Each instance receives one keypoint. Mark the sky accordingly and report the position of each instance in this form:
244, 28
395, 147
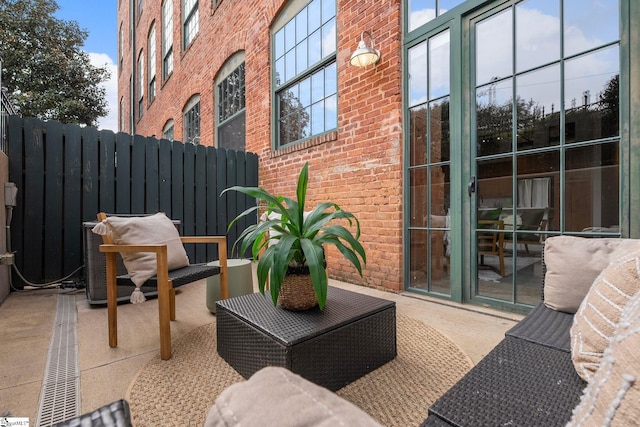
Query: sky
100, 19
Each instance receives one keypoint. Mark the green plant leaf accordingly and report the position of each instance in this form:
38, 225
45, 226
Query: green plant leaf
315, 260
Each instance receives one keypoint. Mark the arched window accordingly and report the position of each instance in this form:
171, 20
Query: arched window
191, 121
230, 105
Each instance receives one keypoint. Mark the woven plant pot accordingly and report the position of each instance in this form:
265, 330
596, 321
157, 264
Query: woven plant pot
296, 291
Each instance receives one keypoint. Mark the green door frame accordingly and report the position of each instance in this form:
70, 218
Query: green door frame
462, 253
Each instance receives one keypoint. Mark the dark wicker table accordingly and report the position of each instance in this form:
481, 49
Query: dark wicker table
354, 335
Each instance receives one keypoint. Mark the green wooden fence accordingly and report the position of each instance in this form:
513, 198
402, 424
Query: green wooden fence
65, 174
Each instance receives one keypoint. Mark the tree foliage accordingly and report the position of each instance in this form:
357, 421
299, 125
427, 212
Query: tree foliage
43, 67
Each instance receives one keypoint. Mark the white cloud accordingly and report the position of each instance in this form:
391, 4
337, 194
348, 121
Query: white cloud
110, 122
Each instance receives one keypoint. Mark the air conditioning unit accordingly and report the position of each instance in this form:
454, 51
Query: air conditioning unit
95, 264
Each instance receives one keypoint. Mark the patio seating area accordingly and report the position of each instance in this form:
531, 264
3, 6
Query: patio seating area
105, 374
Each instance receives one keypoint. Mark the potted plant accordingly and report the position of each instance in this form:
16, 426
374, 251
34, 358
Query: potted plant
293, 239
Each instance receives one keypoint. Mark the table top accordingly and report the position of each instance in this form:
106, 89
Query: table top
290, 327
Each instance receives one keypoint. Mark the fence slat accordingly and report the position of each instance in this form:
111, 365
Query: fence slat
212, 203
138, 157
72, 198
106, 185
188, 195
33, 195
90, 169
164, 170
53, 223
151, 173
122, 172
177, 181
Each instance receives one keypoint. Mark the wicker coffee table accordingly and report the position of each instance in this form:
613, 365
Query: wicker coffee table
354, 335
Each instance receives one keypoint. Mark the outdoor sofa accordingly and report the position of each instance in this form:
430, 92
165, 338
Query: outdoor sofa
529, 378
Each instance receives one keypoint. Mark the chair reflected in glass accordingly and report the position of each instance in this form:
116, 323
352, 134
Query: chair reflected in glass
491, 242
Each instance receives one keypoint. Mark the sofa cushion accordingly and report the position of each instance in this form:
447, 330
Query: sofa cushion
145, 230
276, 396
597, 318
573, 263
612, 395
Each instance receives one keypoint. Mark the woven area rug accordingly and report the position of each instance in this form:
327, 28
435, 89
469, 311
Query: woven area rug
181, 390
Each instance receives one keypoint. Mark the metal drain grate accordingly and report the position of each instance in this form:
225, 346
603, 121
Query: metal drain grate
60, 395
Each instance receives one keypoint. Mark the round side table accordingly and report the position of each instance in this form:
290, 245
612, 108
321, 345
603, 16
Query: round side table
240, 281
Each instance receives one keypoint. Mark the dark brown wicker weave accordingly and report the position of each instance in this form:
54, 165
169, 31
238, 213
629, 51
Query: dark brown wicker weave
526, 380
351, 337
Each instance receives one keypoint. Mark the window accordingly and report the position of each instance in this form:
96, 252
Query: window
120, 49
231, 107
305, 76
140, 84
151, 48
191, 120
121, 114
190, 21
167, 39
167, 130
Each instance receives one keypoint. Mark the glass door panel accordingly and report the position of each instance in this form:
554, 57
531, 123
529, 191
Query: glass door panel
430, 164
546, 131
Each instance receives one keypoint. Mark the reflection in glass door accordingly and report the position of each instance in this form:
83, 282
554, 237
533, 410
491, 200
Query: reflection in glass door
546, 130
429, 169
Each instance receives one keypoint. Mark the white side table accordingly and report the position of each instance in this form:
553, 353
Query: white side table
240, 281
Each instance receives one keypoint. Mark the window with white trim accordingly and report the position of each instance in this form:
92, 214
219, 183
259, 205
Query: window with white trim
167, 39
305, 71
189, 22
140, 84
151, 51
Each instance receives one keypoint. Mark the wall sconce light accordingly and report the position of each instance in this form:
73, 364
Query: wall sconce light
365, 55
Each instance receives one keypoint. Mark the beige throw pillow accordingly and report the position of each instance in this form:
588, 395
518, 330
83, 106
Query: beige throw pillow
275, 396
143, 230
611, 397
597, 318
573, 263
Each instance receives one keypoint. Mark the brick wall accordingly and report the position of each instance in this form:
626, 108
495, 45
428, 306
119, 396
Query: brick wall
359, 166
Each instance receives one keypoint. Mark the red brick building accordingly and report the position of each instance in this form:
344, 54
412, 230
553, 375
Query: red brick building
520, 112
355, 162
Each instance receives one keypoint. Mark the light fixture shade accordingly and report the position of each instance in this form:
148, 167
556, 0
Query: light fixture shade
364, 55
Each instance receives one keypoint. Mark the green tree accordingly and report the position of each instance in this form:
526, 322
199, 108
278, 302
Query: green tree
46, 73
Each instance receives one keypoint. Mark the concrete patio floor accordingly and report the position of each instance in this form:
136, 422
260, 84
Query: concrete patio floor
27, 319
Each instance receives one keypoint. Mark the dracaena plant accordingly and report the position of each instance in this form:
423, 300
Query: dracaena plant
294, 237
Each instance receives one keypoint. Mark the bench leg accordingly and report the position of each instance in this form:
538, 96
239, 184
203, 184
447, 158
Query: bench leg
112, 299
172, 302
164, 306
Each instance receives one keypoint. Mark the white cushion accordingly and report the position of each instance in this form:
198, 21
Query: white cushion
573, 263
146, 230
